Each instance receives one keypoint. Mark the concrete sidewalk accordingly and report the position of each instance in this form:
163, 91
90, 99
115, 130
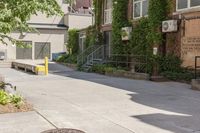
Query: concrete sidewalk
29, 122
99, 104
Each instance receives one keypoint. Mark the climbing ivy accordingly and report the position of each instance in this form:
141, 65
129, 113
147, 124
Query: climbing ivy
119, 20
90, 36
156, 14
97, 13
98, 21
147, 31
72, 44
139, 43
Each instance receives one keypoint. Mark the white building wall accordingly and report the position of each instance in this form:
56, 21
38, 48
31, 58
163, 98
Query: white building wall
78, 21
55, 37
43, 19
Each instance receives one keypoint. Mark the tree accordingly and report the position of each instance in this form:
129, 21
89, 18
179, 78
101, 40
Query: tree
72, 44
14, 15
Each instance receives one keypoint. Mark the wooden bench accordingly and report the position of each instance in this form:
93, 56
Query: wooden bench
36, 69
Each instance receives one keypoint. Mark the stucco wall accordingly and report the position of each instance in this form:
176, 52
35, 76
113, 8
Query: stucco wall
78, 21
55, 37
42, 18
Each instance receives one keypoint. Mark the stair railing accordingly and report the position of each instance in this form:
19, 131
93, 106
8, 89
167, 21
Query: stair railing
82, 57
99, 53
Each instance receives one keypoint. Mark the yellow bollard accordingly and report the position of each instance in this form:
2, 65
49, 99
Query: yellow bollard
46, 65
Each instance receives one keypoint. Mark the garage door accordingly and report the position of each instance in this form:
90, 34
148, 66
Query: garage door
24, 52
42, 50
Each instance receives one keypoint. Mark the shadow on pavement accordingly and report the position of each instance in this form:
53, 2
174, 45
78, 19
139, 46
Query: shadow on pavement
173, 97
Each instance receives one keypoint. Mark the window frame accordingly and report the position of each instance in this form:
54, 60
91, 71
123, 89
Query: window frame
107, 13
188, 6
82, 39
141, 9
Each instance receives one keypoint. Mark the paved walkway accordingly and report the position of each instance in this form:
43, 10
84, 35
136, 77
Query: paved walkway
100, 104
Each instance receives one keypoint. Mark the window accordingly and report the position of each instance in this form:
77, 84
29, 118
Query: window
140, 8
24, 52
186, 4
82, 38
108, 12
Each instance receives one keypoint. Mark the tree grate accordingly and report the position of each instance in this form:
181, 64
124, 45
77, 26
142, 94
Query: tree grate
64, 130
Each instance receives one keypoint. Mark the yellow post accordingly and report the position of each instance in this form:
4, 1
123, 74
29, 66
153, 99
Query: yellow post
46, 66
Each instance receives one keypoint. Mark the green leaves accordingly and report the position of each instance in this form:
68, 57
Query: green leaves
119, 20
14, 14
4, 98
72, 43
157, 13
17, 100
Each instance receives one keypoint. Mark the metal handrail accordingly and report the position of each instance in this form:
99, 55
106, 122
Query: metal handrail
86, 50
93, 53
139, 61
83, 57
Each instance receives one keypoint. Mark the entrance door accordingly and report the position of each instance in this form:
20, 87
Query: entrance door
107, 42
24, 52
42, 50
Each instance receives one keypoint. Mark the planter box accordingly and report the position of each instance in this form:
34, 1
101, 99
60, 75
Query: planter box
130, 75
196, 84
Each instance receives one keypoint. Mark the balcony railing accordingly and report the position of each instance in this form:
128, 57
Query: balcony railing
107, 16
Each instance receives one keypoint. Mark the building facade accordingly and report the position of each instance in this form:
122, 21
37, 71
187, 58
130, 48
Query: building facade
184, 42
52, 36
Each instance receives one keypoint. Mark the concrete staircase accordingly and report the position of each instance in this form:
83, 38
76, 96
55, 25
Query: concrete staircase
91, 56
5, 64
86, 67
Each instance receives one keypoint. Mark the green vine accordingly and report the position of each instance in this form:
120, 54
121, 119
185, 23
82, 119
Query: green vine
72, 44
139, 43
156, 14
119, 20
98, 20
90, 36
147, 31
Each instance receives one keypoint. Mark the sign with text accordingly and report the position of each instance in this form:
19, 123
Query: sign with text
190, 47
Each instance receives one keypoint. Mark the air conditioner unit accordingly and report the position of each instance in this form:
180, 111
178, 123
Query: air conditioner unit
126, 33
170, 26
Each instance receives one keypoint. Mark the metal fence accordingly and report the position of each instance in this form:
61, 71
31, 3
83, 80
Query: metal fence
136, 63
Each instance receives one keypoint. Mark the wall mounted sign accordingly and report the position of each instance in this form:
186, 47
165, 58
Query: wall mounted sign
190, 47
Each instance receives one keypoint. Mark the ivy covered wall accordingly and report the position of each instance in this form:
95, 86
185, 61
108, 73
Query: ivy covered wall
146, 31
120, 19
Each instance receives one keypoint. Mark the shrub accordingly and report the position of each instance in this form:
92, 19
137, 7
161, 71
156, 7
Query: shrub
67, 59
71, 59
72, 44
183, 76
4, 98
62, 58
110, 69
170, 63
165, 63
17, 100
102, 69
98, 69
